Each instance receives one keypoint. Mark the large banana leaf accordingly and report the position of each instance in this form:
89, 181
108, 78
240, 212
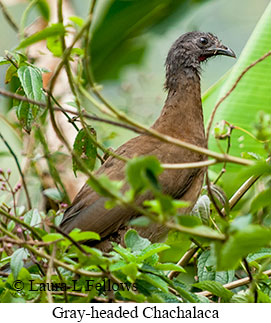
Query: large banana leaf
252, 94
118, 38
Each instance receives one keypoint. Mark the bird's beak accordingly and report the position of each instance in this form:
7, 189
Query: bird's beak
222, 50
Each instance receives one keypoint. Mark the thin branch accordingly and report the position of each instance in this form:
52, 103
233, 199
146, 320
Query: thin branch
231, 89
20, 171
191, 165
183, 261
241, 192
49, 274
30, 242
9, 18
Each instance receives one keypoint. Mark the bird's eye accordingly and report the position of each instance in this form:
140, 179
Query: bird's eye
203, 40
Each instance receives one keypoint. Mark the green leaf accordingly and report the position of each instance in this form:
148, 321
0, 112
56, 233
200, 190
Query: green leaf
77, 20
138, 298
261, 254
151, 250
44, 9
53, 194
216, 289
17, 261
130, 270
240, 222
179, 243
244, 296
31, 80
261, 200
105, 187
133, 241
11, 71
11, 225
32, 218
52, 237
53, 30
130, 19
202, 209
141, 221
54, 45
85, 149
252, 93
142, 173
240, 244
207, 270
84, 236
3, 60
155, 281
125, 253
25, 116
169, 266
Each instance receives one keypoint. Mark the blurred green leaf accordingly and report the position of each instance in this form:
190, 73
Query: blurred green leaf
202, 209
53, 194
216, 289
84, 236
53, 30
44, 9
240, 244
142, 173
52, 237
155, 281
169, 266
261, 254
151, 250
105, 187
123, 44
54, 45
261, 200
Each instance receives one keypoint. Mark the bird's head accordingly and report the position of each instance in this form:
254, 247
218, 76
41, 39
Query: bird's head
189, 50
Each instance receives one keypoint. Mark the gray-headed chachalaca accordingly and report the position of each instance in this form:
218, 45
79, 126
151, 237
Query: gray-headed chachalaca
180, 118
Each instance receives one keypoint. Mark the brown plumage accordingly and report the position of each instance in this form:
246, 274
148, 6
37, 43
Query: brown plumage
181, 118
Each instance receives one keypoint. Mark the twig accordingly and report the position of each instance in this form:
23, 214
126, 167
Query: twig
231, 89
20, 171
191, 165
75, 243
183, 261
241, 192
9, 18
30, 242
211, 195
49, 274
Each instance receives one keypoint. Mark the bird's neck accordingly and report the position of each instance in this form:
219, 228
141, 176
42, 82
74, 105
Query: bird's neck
182, 115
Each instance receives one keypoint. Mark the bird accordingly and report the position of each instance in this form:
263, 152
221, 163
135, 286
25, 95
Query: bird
181, 118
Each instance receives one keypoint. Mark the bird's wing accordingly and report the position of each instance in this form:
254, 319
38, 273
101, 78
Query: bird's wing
87, 211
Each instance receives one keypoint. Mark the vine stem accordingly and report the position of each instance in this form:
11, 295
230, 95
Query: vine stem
29, 206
